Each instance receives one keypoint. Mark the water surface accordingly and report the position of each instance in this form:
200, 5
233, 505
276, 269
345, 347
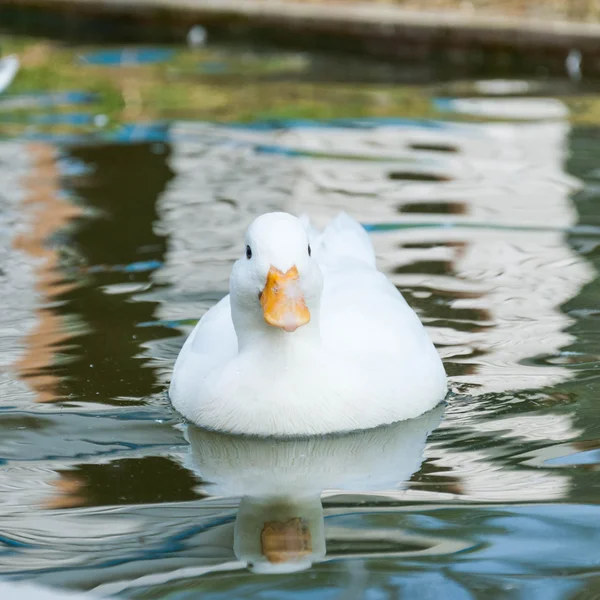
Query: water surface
115, 240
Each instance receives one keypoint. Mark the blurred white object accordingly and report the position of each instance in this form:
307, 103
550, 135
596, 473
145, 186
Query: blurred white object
526, 109
9, 65
501, 87
100, 120
197, 36
573, 65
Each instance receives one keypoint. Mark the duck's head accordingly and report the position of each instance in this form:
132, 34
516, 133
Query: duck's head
277, 283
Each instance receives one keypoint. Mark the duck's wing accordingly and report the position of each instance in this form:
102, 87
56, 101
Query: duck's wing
362, 312
213, 341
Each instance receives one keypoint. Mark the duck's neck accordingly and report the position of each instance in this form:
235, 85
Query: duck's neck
275, 342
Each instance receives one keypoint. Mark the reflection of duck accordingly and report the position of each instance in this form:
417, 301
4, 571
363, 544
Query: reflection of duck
309, 340
280, 524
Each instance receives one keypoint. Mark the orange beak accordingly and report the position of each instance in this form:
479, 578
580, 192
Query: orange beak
282, 300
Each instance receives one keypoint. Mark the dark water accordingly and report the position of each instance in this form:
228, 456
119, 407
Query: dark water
112, 247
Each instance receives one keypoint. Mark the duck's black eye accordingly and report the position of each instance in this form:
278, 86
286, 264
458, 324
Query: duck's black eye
248, 252
309, 250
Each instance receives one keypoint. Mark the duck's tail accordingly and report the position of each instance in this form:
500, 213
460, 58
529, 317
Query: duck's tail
342, 239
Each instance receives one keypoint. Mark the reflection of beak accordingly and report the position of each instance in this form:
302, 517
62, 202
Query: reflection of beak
285, 541
282, 300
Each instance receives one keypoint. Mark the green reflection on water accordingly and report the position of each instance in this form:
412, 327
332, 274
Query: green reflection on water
210, 84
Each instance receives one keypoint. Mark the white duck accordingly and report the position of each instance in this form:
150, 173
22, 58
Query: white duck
312, 339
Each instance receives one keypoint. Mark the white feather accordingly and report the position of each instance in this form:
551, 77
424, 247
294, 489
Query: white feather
9, 66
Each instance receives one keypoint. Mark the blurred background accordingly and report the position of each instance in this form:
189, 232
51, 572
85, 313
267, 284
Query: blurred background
138, 141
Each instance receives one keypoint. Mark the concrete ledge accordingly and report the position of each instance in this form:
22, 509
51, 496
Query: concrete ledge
384, 31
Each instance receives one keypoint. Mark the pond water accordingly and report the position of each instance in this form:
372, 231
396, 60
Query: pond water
118, 231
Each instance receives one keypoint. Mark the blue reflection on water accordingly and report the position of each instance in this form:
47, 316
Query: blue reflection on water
128, 56
45, 99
